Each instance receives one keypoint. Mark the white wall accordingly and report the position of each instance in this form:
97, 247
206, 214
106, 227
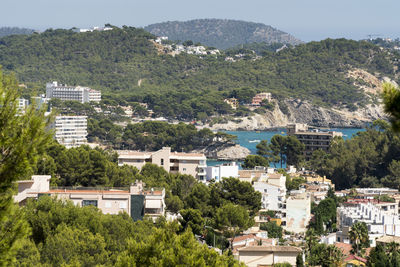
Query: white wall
271, 195
222, 171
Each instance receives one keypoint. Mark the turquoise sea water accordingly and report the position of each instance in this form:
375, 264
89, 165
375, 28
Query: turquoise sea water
250, 139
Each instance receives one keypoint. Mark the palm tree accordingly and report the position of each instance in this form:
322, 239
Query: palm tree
359, 237
333, 256
311, 239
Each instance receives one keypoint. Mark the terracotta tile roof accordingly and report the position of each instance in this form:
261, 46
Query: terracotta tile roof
181, 154
345, 248
250, 173
274, 175
354, 257
76, 191
133, 152
272, 249
243, 237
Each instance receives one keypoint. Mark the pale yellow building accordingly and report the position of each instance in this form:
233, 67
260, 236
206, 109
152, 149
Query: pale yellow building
318, 179
233, 102
255, 256
134, 200
185, 163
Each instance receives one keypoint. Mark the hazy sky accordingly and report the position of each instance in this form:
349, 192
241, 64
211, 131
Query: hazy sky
305, 19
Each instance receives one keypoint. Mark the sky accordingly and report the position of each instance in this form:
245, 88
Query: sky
308, 20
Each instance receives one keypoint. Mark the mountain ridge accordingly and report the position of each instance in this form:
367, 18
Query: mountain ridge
126, 66
5, 31
221, 33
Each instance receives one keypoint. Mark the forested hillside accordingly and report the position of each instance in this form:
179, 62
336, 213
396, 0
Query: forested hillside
221, 33
4, 31
127, 67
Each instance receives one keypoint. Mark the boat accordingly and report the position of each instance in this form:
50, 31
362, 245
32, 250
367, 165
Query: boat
254, 141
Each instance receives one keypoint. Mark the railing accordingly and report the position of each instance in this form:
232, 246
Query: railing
102, 188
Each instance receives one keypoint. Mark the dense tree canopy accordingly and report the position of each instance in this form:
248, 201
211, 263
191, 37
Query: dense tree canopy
252, 161
128, 68
282, 149
368, 159
63, 233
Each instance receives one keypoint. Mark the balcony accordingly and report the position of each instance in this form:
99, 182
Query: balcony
202, 164
201, 171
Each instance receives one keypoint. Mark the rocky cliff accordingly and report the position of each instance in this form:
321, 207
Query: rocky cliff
225, 151
299, 111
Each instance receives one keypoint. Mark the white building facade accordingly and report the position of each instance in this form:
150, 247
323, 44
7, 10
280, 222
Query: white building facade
381, 218
298, 212
71, 131
73, 93
272, 197
194, 164
22, 104
225, 170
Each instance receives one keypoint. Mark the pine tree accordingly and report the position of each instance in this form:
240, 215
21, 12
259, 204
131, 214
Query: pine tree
391, 99
23, 137
299, 260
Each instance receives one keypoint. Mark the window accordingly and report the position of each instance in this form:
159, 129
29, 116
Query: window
265, 190
162, 162
122, 205
89, 202
107, 204
184, 169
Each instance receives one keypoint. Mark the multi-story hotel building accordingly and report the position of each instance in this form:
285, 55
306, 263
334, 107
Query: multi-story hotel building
71, 131
312, 140
135, 201
76, 93
185, 163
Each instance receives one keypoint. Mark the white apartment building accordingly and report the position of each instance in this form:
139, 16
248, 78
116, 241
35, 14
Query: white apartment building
382, 218
273, 197
185, 163
76, 93
71, 131
277, 179
220, 171
370, 193
94, 95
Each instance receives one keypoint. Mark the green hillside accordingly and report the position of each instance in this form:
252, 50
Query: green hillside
188, 86
4, 31
221, 33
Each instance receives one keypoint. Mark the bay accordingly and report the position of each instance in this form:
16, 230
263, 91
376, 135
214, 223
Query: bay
250, 139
